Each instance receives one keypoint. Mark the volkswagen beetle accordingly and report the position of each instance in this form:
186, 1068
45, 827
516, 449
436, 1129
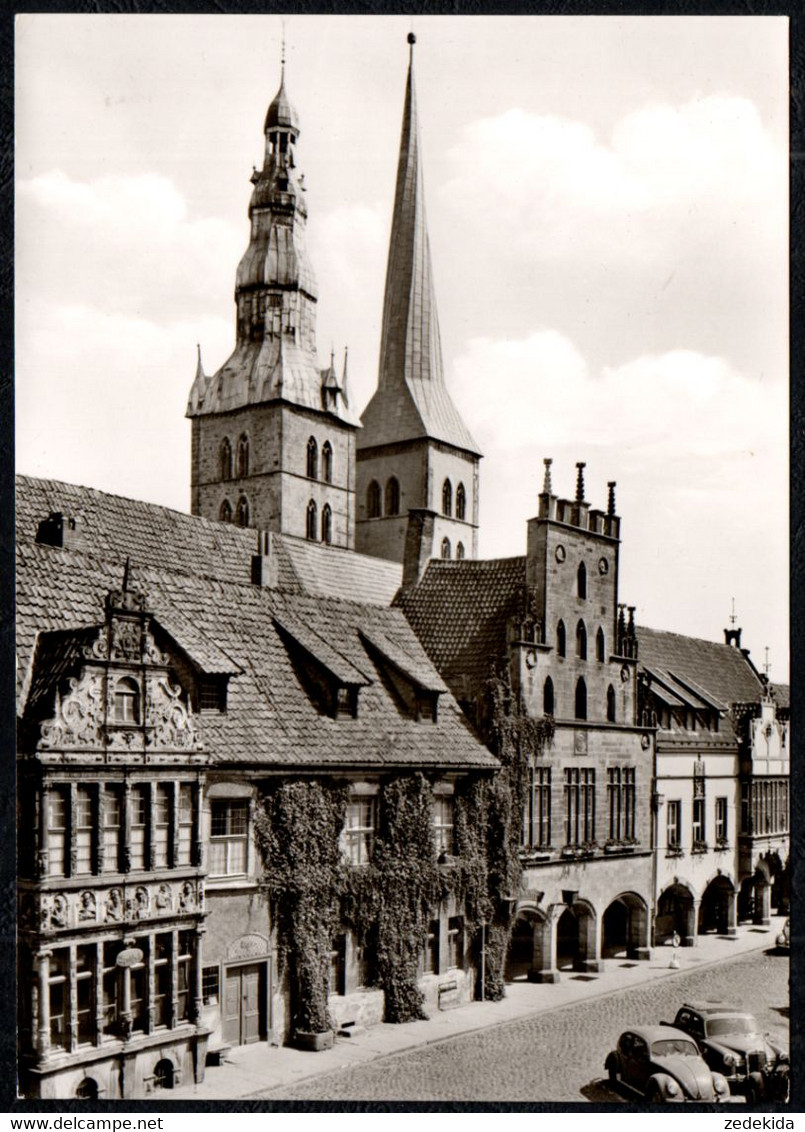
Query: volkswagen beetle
665, 1066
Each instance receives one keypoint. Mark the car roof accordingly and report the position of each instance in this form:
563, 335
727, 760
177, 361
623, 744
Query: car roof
655, 1033
708, 1008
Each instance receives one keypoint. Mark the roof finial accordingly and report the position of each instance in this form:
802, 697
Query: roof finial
611, 484
580, 466
733, 618
411, 42
126, 575
546, 486
282, 55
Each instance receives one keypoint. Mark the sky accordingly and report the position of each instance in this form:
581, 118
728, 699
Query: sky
608, 217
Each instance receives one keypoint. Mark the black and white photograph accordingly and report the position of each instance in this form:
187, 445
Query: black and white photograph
402, 559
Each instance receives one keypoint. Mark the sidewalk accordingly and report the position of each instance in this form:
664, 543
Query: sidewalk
257, 1068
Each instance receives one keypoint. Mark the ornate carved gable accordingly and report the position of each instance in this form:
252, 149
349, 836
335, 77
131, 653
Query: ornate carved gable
120, 701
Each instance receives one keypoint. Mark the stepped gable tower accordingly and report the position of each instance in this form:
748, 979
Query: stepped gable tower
273, 435
414, 451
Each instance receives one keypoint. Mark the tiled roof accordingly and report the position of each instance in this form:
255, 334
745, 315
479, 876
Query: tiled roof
411, 400
459, 611
196, 572
720, 672
411, 661
330, 571
322, 650
782, 695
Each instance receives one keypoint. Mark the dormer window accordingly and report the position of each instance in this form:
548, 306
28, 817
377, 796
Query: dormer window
212, 694
127, 701
346, 701
427, 705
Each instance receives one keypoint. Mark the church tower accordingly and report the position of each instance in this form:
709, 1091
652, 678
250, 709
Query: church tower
273, 436
414, 452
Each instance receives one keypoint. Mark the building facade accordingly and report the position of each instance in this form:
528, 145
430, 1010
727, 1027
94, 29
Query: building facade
553, 620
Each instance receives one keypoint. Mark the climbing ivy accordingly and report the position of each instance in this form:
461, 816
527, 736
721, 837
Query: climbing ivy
313, 893
298, 826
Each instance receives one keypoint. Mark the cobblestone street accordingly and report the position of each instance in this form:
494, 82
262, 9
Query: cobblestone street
557, 1056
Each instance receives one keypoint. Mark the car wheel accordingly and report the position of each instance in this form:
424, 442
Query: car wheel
654, 1095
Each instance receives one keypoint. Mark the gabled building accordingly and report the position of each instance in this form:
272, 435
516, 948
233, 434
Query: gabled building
170, 675
414, 451
720, 805
552, 622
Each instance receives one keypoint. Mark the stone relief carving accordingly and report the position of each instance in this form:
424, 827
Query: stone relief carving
114, 906
87, 907
59, 912
126, 640
78, 716
172, 724
138, 905
163, 900
186, 897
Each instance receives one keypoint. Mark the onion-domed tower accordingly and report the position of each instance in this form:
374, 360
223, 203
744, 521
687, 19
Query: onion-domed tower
273, 436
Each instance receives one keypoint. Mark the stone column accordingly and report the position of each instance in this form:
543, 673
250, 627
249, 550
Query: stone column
72, 846
692, 935
174, 976
72, 999
544, 969
762, 902
43, 1031
198, 836
125, 830
100, 845
198, 966
731, 899
173, 849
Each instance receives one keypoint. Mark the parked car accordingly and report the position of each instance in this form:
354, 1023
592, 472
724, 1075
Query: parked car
733, 1044
784, 937
665, 1066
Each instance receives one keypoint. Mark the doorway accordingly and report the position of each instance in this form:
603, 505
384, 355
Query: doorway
244, 1019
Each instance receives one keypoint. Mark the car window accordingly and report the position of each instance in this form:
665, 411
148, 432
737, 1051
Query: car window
674, 1047
734, 1024
640, 1049
626, 1043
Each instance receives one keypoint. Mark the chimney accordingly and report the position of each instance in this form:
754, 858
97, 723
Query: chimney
62, 530
418, 544
732, 637
264, 562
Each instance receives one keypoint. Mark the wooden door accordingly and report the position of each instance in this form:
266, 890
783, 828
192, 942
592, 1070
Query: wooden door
243, 1005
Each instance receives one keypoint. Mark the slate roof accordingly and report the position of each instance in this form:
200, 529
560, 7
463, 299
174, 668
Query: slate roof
196, 572
459, 611
782, 695
411, 400
719, 671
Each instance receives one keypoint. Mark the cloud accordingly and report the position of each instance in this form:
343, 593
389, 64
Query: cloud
100, 398
126, 243
555, 189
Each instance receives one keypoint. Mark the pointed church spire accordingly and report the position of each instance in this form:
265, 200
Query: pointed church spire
412, 399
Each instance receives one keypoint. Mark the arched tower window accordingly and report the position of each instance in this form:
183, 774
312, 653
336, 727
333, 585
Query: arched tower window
447, 498
561, 639
581, 699
600, 645
460, 551
446, 549
312, 459
610, 704
127, 700
310, 530
392, 496
327, 462
461, 502
326, 524
226, 459
243, 455
242, 513
547, 697
581, 579
581, 641
373, 500
225, 514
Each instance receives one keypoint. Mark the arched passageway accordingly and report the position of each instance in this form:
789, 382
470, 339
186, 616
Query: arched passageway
520, 958
717, 910
675, 915
575, 938
624, 927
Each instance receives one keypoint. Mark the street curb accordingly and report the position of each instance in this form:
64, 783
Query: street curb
535, 1013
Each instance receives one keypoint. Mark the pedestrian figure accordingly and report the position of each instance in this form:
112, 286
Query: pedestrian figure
675, 942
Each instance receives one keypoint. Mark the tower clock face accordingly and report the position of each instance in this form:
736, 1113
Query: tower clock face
560, 552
